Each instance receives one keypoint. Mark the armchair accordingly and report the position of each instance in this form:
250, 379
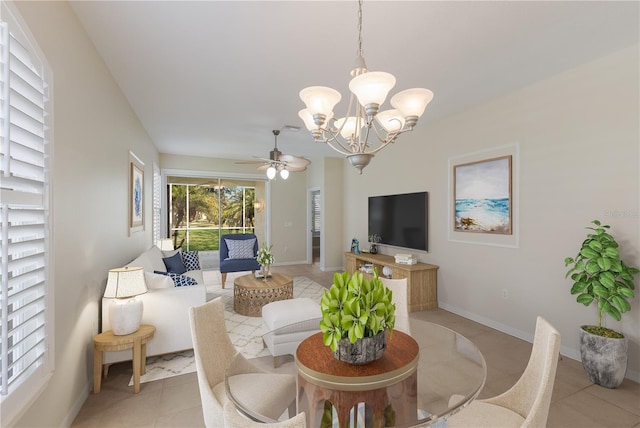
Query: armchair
237, 254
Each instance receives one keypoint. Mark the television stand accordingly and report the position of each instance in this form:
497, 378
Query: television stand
422, 279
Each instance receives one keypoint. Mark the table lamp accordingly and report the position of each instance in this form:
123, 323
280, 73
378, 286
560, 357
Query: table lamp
165, 244
125, 311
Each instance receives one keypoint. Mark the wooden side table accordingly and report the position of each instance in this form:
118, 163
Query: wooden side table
107, 341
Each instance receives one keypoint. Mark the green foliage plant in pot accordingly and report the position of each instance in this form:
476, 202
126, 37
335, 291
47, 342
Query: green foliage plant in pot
599, 276
356, 312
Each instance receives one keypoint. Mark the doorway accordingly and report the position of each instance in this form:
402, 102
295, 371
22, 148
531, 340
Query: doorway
314, 197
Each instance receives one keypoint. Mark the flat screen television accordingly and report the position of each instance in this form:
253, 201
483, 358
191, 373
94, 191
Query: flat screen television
400, 220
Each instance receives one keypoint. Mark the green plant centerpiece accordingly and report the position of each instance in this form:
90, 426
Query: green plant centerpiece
356, 312
600, 276
265, 259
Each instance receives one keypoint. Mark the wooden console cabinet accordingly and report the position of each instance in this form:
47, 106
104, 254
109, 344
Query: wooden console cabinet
422, 278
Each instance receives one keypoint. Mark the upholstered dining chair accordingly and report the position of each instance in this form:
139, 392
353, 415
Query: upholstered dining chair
238, 253
270, 394
525, 404
233, 419
398, 288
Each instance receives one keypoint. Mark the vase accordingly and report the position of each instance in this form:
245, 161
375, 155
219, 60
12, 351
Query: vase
364, 351
265, 272
604, 359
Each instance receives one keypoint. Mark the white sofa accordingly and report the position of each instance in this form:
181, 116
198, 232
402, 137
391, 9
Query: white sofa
164, 306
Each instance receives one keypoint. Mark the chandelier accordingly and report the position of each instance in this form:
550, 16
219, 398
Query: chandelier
350, 134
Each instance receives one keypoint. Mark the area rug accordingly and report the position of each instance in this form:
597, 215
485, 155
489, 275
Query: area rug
245, 332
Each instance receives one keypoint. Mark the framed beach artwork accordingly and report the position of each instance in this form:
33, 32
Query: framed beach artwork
483, 190
136, 193
482, 196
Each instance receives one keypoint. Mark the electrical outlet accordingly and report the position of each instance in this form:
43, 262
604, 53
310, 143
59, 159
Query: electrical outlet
505, 294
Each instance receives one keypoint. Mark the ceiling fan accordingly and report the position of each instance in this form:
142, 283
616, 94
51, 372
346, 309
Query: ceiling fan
278, 161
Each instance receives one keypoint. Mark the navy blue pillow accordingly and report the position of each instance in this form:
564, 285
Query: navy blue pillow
175, 264
178, 279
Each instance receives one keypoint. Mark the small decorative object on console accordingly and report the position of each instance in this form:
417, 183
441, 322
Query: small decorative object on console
355, 246
406, 259
387, 271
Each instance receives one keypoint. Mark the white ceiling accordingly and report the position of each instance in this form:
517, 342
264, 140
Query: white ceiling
214, 78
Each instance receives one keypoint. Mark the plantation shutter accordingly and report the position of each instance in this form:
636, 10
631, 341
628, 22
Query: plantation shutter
24, 216
157, 204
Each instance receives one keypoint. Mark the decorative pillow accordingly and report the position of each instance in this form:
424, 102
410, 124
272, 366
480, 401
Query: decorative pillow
174, 264
240, 248
156, 282
178, 279
191, 260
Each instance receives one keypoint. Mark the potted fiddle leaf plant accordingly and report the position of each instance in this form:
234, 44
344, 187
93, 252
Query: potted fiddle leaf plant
602, 278
356, 312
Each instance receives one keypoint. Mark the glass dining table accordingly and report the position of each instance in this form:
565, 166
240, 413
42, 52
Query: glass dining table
428, 372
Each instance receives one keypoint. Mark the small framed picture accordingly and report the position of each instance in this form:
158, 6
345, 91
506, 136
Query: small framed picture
136, 193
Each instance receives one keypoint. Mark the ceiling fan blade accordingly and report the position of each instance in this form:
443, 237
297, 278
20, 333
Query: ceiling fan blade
264, 167
295, 160
255, 162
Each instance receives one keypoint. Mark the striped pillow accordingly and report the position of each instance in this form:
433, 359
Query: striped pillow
240, 248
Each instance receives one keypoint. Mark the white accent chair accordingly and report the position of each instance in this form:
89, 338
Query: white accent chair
233, 419
525, 404
399, 289
268, 394
286, 323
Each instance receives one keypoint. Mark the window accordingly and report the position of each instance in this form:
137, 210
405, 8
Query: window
26, 309
203, 210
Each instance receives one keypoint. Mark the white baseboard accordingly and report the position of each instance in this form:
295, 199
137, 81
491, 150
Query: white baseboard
77, 405
566, 351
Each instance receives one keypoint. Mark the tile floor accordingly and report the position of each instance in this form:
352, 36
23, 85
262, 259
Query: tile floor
175, 402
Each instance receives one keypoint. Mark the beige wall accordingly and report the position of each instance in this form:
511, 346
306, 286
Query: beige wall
94, 129
578, 138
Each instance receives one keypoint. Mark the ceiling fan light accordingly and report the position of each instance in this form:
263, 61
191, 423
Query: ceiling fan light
390, 120
320, 99
412, 102
284, 174
372, 87
271, 173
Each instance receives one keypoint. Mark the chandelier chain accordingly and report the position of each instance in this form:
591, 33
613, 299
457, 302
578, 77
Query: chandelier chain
359, 53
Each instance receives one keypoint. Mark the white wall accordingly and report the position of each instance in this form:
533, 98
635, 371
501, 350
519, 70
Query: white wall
94, 129
578, 137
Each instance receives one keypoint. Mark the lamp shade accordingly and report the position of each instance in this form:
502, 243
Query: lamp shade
390, 120
307, 118
412, 102
320, 99
284, 174
165, 244
125, 282
349, 127
372, 87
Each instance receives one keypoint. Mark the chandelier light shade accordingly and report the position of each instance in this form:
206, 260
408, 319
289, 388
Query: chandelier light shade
365, 129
